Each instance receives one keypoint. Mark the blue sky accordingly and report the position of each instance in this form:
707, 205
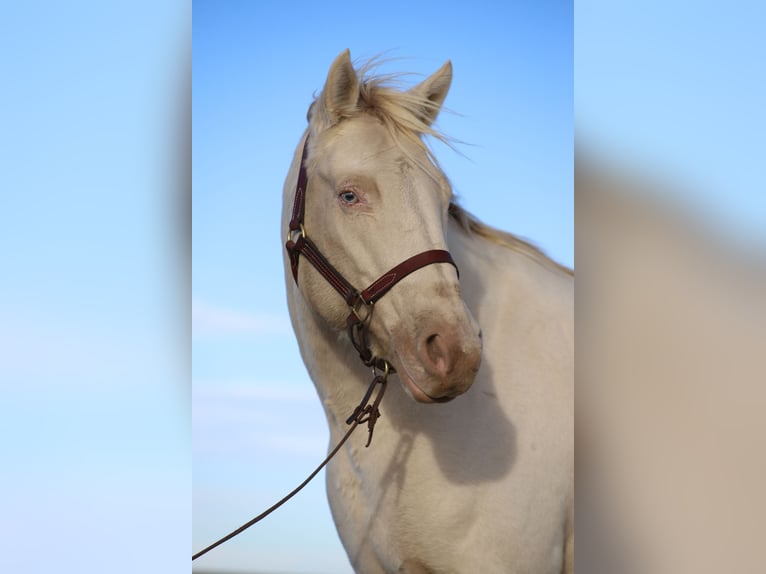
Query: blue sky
674, 92
258, 428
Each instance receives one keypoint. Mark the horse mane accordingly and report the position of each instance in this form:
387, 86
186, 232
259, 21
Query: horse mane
400, 111
471, 225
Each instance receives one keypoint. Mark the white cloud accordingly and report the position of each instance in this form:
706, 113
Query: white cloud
253, 390
209, 320
254, 420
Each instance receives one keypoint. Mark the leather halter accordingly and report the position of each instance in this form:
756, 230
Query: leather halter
298, 243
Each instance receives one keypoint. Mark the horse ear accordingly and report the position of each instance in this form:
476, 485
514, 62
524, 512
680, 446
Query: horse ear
341, 90
432, 91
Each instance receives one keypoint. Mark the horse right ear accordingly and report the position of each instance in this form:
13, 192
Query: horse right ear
341, 90
432, 91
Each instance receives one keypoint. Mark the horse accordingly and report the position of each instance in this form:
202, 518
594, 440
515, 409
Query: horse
472, 464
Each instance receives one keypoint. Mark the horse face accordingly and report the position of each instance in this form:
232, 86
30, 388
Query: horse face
372, 202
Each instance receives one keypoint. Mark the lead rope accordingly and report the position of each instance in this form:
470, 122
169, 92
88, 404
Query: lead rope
363, 413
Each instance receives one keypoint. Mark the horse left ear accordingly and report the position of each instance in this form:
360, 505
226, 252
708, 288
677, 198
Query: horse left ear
432, 91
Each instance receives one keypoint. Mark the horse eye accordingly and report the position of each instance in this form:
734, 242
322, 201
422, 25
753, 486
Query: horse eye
348, 197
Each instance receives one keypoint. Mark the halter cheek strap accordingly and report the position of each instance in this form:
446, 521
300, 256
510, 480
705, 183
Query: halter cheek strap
298, 243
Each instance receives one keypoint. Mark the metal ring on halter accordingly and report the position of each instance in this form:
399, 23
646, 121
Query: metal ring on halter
362, 303
386, 368
301, 231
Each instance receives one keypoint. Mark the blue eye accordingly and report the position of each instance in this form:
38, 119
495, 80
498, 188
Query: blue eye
348, 197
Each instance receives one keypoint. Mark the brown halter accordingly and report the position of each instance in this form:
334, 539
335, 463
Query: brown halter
298, 243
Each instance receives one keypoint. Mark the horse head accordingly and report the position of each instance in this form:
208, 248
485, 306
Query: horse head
375, 197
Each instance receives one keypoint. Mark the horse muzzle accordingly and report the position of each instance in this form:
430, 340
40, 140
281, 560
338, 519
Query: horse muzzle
444, 364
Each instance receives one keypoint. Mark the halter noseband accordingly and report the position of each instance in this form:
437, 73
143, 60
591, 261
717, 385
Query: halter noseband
298, 243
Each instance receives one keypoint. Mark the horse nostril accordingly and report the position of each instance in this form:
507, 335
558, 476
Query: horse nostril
437, 353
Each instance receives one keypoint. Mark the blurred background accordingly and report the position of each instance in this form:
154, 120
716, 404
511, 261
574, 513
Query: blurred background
670, 215
94, 286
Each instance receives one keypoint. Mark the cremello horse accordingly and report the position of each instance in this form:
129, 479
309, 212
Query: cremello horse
484, 482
